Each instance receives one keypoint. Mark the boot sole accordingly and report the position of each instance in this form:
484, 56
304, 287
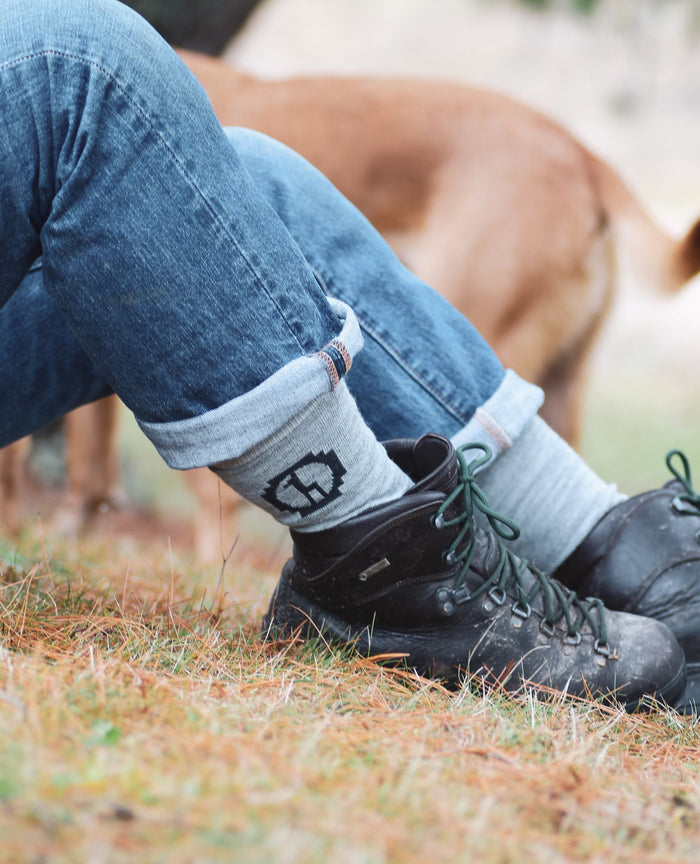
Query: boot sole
300, 616
689, 701
671, 695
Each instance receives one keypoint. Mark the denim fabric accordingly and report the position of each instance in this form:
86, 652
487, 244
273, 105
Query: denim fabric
237, 426
157, 248
167, 275
423, 366
44, 372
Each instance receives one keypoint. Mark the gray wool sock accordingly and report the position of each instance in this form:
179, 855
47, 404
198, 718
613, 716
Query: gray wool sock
319, 470
550, 493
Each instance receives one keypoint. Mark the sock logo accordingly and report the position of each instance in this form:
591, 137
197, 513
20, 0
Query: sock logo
307, 485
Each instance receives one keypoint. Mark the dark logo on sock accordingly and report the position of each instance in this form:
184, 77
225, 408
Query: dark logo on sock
308, 485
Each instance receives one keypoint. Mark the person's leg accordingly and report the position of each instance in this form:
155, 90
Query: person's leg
44, 372
424, 366
409, 376
178, 280
422, 380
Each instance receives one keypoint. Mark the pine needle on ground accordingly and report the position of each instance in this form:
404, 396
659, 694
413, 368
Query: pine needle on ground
143, 718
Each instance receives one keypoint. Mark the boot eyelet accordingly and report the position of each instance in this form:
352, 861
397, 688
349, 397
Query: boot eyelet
498, 595
520, 610
682, 507
446, 601
572, 639
461, 595
601, 648
450, 557
437, 520
547, 628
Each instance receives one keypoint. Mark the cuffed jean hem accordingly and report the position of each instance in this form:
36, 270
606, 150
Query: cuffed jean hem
234, 428
500, 420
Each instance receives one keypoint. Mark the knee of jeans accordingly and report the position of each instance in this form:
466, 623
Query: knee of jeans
106, 33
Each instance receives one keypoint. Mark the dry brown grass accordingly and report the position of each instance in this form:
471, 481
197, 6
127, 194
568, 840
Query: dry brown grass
143, 719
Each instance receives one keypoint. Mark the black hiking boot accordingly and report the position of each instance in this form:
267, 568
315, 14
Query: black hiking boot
644, 557
418, 580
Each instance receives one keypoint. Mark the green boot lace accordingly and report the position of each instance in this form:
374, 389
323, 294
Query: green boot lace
559, 603
688, 502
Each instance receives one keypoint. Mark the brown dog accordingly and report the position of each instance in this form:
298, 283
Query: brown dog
496, 206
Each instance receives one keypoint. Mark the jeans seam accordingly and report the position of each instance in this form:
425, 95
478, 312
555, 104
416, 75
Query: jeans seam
68, 55
491, 426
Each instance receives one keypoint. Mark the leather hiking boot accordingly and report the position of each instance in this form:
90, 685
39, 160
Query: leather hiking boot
416, 582
643, 557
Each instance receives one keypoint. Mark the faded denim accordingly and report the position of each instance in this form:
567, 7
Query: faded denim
189, 273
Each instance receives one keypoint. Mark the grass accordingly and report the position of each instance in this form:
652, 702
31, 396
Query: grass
143, 718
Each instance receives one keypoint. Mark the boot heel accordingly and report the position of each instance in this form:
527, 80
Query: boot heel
289, 613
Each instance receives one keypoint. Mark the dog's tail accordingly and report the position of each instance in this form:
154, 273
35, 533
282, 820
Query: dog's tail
656, 258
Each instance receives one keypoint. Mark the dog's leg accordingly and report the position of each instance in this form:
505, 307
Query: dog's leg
92, 472
215, 522
12, 467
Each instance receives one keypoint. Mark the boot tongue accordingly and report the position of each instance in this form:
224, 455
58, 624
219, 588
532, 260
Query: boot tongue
487, 557
435, 463
486, 554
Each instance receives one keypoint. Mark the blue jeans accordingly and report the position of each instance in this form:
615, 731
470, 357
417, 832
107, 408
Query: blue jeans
217, 289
